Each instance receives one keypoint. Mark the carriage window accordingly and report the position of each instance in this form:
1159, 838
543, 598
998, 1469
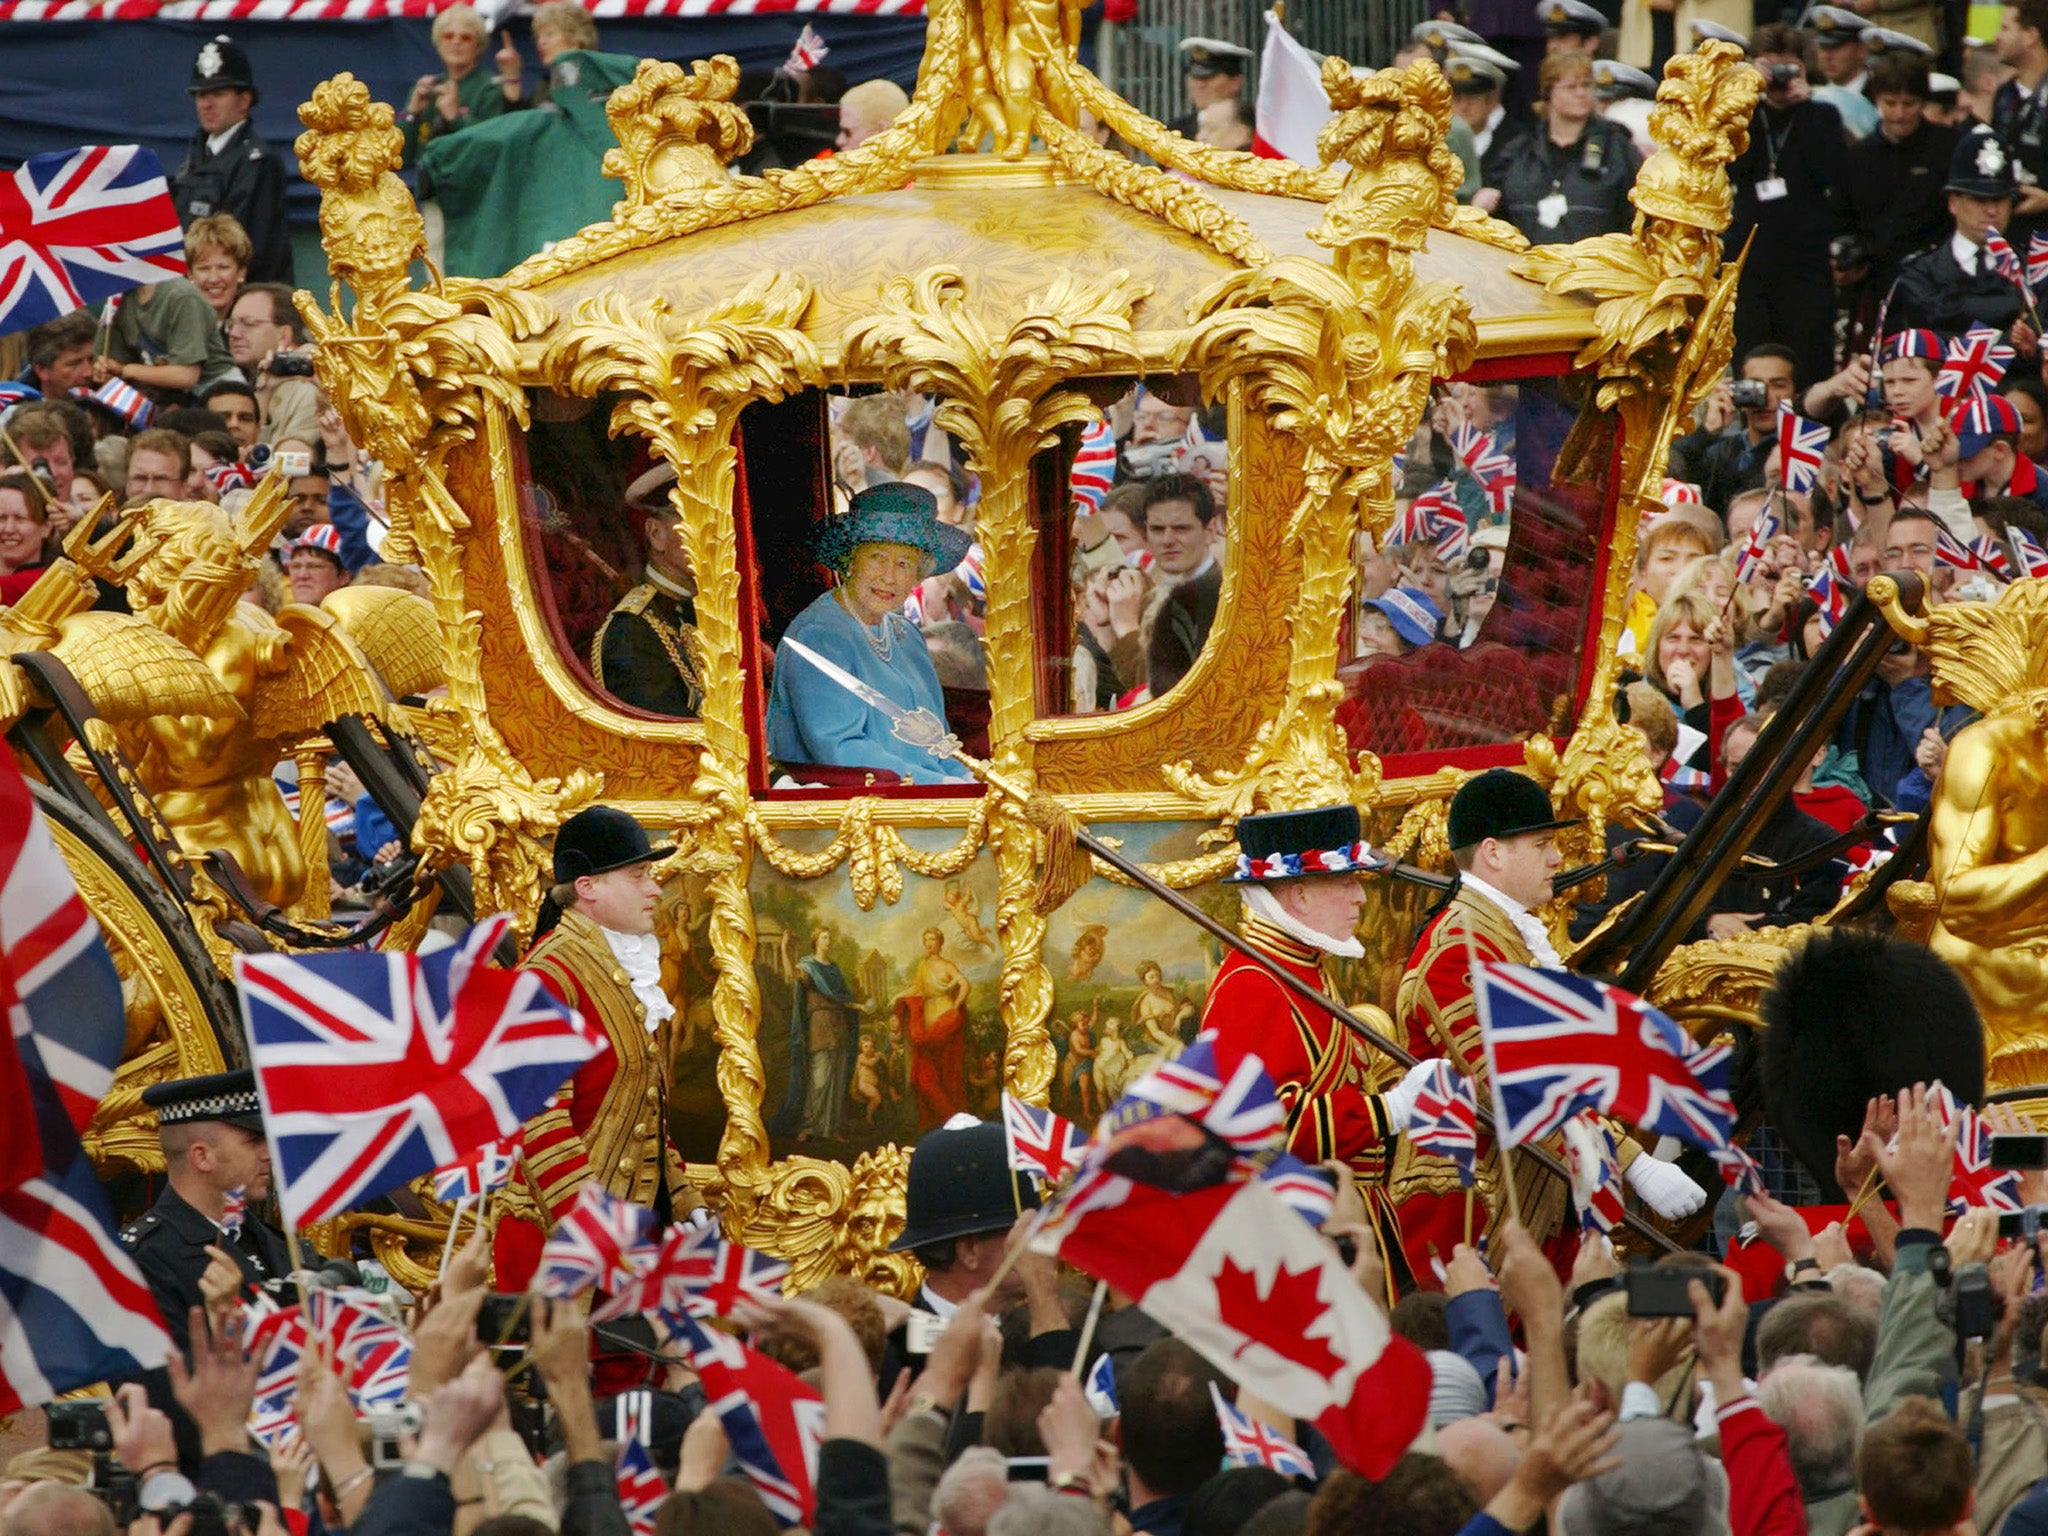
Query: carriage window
861, 515
605, 558
1142, 554
1468, 628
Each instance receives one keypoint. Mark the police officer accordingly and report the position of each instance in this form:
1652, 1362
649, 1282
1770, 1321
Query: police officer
646, 651
1570, 26
188, 1245
1569, 177
1214, 72
960, 1201
228, 169
1951, 286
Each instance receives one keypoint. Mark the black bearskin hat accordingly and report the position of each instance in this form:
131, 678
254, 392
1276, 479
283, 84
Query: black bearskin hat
1854, 1015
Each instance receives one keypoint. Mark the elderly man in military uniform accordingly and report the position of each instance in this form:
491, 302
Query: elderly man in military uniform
191, 1246
1214, 72
228, 169
597, 951
645, 653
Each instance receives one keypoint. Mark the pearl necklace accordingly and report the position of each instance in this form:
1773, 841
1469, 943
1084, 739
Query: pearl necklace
882, 646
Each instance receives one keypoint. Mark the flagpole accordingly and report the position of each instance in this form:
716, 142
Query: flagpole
1088, 1329
454, 1224
1479, 1003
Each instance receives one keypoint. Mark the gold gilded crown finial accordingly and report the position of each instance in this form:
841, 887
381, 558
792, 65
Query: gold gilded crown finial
677, 128
1389, 127
1701, 123
351, 152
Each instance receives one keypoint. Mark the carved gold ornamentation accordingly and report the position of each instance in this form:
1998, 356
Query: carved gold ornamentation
1981, 907
875, 852
677, 129
1342, 358
1717, 982
680, 382
412, 375
1000, 395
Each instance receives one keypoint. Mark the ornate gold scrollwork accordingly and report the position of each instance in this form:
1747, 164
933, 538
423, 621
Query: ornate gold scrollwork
1001, 399
1342, 358
677, 129
875, 853
680, 382
412, 375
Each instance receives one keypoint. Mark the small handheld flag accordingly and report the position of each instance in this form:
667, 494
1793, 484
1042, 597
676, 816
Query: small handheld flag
1249, 1443
1045, 1145
1445, 1120
233, 1207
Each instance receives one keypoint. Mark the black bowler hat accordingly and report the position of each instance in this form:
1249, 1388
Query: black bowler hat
221, 63
598, 840
1289, 845
1982, 167
961, 1184
1500, 803
229, 1096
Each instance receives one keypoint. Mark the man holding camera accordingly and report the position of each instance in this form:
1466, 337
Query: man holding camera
194, 1247
263, 337
1724, 462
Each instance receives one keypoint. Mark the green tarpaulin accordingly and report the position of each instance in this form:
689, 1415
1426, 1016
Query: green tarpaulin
510, 185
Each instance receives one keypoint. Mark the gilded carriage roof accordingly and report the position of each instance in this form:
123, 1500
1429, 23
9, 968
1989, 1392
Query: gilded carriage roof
1015, 228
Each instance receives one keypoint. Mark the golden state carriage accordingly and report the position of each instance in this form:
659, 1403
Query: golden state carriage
988, 253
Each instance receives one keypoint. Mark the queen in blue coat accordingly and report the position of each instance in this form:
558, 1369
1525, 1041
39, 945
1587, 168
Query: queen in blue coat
889, 539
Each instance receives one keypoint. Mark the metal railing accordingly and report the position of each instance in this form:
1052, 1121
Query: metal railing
1140, 62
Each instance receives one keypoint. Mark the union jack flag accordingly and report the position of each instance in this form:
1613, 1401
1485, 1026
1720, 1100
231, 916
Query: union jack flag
1739, 1171
641, 1489
2005, 261
1802, 444
73, 1307
1454, 534
1100, 1387
1991, 557
1308, 1191
1975, 1181
2037, 259
1094, 470
601, 1242
1249, 1443
375, 1069
1973, 363
1830, 598
1422, 520
124, 400
696, 1271
487, 1168
773, 1421
1243, 1111
1596, 1173
234, 1206
807, 52
371, 1353
1445, 1120
1493, 469
1761, 532
1560, 1043
1953, 552
2033, 559
80, 225
228, 474
1040, 1143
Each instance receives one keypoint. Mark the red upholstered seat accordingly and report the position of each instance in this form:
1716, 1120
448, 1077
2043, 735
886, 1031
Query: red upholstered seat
1439, 698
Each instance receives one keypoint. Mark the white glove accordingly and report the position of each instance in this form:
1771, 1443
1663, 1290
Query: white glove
1666, 1189
1402, 1096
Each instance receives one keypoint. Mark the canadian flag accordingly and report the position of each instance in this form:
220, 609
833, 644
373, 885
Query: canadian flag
1250, 1285
1293, 105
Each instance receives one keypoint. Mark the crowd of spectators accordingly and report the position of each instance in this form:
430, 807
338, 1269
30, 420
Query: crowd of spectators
1895, 1389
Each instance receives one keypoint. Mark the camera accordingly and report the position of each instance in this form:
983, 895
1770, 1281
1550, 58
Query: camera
1778, 76
503, 1319
1749, 394
1968, 1304
80, 1425
291, 365
2018, 1150
1654, 1292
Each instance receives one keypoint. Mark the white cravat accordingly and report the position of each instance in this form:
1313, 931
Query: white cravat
1268, 910
1533, 933
639, 956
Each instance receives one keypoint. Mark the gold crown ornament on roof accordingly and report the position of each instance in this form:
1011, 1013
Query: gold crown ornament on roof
1701, 120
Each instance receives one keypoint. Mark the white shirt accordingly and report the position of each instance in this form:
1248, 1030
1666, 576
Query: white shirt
1483, 139
1965, 253
216, 142
639, 956
1533, 933
1173, 581
939, 1305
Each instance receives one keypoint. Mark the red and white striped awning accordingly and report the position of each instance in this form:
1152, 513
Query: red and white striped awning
384, 10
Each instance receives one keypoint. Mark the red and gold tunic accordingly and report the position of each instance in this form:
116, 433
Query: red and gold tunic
609, 1122
1437, 1013
1319, 1069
